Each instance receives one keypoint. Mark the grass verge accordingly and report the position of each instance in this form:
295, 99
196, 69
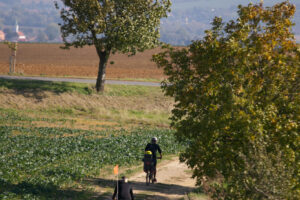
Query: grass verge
78, 104
39, 86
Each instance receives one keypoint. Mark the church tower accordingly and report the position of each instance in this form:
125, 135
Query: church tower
17, 27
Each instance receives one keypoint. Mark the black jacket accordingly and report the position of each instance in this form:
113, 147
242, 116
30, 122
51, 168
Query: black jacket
124, 191
153, 148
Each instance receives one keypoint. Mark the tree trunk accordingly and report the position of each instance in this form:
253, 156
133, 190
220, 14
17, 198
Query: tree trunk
103, 55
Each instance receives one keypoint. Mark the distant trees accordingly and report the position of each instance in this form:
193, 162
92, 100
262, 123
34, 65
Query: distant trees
126, 26
29, 13
52, 31
38, 14
237, 104
41, 37
177, 35
1, 24
10, 35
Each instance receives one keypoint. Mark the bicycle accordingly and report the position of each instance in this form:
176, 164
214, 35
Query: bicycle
149, 178
149, 170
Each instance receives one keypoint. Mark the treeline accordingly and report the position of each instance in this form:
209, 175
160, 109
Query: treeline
38, 19
189, 23
183, 26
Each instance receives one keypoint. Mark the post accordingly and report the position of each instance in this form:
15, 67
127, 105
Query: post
15, 56
15, 60
12, 58
10, 64
116, 172
118, 186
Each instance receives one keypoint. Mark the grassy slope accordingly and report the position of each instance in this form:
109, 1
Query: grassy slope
80, 107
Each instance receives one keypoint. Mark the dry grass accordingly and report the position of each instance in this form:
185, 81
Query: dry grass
91, 111
76, 123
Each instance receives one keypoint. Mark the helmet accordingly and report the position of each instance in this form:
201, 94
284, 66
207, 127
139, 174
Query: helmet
148, 153
154, 139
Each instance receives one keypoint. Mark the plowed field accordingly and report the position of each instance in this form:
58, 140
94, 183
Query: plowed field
50, 60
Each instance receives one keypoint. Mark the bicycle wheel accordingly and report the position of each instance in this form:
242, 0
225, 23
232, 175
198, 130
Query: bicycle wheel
147, 178
151, 179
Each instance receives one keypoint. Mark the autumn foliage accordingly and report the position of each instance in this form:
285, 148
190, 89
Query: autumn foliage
238, 104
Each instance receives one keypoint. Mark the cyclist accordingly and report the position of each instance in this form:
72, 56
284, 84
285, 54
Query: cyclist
153, 147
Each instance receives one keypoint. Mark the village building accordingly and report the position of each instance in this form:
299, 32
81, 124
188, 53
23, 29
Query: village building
15, 36
2, 35
21, 36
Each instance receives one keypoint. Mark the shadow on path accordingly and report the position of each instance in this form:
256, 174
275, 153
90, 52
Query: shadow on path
160, 188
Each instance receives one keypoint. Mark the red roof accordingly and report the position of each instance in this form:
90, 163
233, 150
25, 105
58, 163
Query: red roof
21, 33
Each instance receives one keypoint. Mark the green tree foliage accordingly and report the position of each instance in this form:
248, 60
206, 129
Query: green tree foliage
127, 26
238, 104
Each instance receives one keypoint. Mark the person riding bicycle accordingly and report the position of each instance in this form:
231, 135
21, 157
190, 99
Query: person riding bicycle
153, 147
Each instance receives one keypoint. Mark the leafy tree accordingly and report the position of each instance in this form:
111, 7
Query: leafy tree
238, 104
13, 46
127, 26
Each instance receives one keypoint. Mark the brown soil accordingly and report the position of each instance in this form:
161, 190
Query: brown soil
50, 60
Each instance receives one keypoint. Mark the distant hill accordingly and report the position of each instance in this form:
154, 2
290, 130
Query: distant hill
188, 20
33, 16
32, 13
187, 4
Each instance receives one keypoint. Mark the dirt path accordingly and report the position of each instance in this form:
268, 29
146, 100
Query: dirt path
174, 182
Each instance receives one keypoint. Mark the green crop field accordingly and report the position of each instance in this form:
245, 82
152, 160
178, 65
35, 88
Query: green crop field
44, 162
53, 136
